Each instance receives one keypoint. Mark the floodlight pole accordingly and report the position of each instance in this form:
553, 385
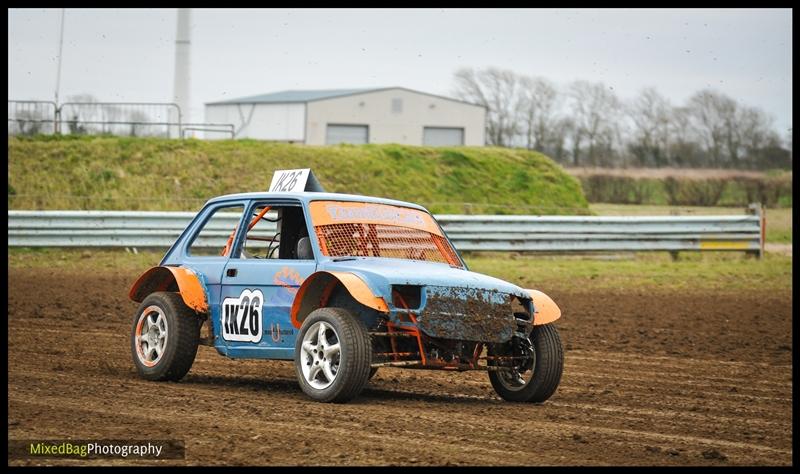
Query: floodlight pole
58, 72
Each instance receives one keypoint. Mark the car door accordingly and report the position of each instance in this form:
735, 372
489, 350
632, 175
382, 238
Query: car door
203, 249
261, 279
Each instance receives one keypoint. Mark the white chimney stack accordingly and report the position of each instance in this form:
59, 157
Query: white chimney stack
182, 64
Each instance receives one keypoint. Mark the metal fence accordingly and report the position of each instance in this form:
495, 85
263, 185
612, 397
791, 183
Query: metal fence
120, 118
143, 119
210, 130
468, 233
31, 117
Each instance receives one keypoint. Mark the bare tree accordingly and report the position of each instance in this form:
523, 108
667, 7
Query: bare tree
754, 129
756, 136
588, 125
77, 114
83, 98
683, 147
713, 115
27, 122
556, 146
594, 109
138, 123
497, 90
538, 102
650, 115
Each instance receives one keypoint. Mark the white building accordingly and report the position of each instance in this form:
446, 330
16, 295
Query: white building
384, 115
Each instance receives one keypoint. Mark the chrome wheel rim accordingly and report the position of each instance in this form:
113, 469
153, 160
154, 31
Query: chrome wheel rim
320, 355
151, 335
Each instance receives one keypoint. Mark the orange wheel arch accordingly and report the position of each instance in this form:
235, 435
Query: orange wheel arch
547, 310
316, 289
180, 279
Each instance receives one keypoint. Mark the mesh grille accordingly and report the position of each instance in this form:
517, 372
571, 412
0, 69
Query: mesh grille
378, 240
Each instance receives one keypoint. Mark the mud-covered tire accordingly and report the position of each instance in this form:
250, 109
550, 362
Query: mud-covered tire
179, 347
354, 356
548, 366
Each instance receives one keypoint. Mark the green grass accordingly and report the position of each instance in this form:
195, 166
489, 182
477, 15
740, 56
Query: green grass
161, 174
657, 271
646, 272
779, 221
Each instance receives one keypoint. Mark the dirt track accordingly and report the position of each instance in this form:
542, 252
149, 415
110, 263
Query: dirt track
650, 378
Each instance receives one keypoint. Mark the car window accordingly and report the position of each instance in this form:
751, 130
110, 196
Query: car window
219, 229
274, 233
361, 229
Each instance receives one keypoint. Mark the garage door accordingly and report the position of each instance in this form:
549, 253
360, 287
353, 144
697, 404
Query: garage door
443, 136
356, 134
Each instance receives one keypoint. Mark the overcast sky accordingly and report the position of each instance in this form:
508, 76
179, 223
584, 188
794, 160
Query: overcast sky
128, 55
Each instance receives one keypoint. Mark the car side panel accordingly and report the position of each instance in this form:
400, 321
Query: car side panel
275, 283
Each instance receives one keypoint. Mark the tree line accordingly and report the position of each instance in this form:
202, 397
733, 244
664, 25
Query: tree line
587, 124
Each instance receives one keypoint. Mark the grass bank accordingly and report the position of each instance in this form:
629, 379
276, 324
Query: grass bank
160, 174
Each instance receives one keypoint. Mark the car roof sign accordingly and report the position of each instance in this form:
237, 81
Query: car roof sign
298, 180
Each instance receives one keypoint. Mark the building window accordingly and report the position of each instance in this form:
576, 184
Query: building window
397, 106
338, 133
443, 136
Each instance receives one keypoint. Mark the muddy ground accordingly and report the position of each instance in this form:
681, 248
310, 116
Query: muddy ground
651, 377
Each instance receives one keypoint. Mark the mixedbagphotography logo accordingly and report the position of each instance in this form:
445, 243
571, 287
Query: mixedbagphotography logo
94, 449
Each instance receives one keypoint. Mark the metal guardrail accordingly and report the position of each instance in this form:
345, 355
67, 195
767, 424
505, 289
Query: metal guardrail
468, 233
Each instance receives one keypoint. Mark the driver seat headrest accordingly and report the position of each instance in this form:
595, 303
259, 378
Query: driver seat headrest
304, 251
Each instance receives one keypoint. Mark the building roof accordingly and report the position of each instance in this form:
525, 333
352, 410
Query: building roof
284, 97
303, 96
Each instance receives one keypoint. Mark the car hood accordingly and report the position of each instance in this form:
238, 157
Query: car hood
381, 273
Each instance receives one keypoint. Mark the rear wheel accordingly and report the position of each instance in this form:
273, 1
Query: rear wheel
332, 355
537, 378
164, 337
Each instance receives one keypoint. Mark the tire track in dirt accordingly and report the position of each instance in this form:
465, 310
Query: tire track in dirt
630, 394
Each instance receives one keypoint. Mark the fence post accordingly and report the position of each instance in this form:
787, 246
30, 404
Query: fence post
180, 121
674, 254
758, 210
57, 120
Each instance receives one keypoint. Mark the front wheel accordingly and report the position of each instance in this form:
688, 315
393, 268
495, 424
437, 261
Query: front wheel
332, 355
536, 380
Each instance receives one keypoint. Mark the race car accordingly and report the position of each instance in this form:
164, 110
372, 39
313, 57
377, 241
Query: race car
341, 285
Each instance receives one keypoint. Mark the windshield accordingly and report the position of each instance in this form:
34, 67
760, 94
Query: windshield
360, 229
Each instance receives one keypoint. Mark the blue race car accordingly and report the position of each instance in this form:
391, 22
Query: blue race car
341, 285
